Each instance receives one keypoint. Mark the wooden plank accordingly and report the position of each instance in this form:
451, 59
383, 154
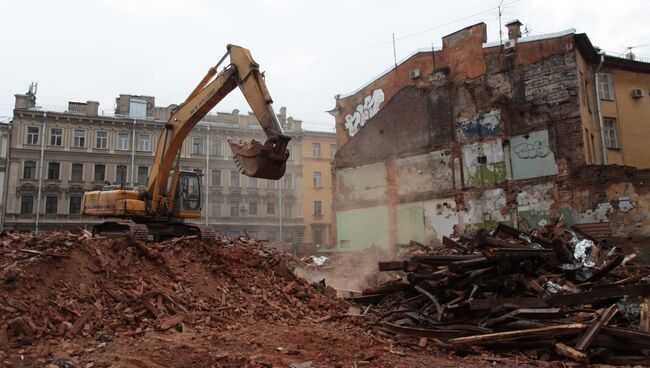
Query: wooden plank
595, 327
571, 353
452, 244
599, 294
151, 308
173, 321
645, 315
81, 321
508, 303
568, 329
422, 332
42, 253
517, 253
390, 266
607, 268
518, 234
463, 266
443, 260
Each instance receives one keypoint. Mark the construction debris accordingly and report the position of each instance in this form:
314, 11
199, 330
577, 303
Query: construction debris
548, 294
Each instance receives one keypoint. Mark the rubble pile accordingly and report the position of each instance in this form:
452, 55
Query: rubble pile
65, 285
549, 294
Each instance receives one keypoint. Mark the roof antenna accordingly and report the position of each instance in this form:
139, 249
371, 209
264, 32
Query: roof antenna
394, 53
500, 30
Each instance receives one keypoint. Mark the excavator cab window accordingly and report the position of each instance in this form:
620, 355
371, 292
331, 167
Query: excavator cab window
189, 191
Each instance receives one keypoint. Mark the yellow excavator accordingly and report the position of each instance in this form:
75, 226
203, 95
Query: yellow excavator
171, 196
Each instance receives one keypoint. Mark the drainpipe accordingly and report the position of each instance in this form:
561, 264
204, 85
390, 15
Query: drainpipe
133, 155
207, 170
603, 149
6, 178
40, 173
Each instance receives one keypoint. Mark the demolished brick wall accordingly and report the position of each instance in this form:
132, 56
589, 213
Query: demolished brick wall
500, 146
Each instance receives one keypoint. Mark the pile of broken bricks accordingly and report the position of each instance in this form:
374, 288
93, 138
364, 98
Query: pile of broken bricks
549, 294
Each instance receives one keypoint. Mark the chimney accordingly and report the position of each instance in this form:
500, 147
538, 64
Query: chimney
514, 29
92, 108
283, 115
25, 101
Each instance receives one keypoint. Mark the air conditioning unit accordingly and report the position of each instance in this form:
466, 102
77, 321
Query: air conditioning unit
637, 93
509, 44
414, 74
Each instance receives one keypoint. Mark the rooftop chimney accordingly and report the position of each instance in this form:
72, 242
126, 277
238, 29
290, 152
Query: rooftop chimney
514, 29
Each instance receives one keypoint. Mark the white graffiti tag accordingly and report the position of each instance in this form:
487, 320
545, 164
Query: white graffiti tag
532, 150
364, 111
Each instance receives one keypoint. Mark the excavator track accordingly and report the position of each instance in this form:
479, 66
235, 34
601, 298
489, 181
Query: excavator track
119, 229
206, 232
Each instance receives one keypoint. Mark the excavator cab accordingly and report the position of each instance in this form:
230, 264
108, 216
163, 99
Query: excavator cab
187, 202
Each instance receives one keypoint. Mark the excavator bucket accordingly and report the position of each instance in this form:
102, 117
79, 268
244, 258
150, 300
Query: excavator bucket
265, 161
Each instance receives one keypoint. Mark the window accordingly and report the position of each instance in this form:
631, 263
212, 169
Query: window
27, 204
234, 178
234, 208
32, 135
216, 148
75, 205
143, 174
144, 142
605, 86
318, 208
77, 172
56, 136
611, 133
197, 146
317, 180
51, 204
216, 208
122, 141
318, 237
270, 184
270, 208
79, 138
332, 150
53, 170
120, 174
101, 140
100, 172
137, 108
216, 177
287, 209
252, 208
315, 150
286, 182
29, 170
252, 182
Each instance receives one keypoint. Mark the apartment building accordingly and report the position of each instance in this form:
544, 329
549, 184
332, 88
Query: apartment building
55, 156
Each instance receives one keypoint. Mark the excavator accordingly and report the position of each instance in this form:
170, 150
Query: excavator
171, 196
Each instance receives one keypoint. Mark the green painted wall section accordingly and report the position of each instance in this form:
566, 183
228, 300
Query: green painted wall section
488, 173
534, 218
362, 228
567, 216
410, 224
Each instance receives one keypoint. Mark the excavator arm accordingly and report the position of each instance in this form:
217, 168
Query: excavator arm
253, 158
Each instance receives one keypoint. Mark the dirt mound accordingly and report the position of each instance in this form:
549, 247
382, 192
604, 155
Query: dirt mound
67, 284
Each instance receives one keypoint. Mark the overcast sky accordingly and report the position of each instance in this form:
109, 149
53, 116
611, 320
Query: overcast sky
311, 50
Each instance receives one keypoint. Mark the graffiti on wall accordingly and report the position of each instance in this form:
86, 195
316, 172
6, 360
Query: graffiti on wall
534, 205
488, 210
364, 111
531, 156
483, 124
483, 163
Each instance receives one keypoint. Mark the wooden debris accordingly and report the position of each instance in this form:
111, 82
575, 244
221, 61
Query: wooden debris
559, 330
81, 322
595, 327
571, 353
174, 320
645, 315
42, 253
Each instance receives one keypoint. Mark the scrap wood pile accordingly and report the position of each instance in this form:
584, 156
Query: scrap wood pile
65, 285
548, 295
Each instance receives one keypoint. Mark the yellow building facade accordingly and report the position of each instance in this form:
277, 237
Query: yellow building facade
624, 88
318, 150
